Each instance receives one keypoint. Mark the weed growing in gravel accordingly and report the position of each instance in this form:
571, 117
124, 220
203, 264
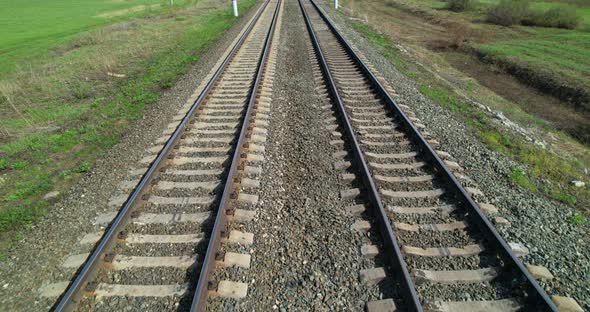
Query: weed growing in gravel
519, 178
83, 168
577, 219
563, 197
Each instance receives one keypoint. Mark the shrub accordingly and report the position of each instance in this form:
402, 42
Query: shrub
577, 219
83, 168
459, 5
509, 12
562, 16
3, 164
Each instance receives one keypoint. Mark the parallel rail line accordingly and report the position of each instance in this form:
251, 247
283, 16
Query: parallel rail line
187, 197
426, 188
204, 146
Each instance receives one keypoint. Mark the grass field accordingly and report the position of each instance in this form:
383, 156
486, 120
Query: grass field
65, 110
29, 29
559, 54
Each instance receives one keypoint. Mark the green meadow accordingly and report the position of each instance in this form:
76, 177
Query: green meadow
29, 29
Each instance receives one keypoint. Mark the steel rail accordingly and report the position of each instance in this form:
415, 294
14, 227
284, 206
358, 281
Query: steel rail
410, 295
537, 297
93, 262
220, 228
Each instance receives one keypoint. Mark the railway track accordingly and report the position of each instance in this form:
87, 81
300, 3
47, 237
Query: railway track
177, 242
443, 253
161, 250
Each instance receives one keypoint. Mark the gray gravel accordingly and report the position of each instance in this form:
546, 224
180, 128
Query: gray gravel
35, 261
305, 256
539, 223
303, 220
426, 239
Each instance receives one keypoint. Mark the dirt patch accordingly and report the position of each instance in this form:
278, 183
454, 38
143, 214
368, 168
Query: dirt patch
560, 114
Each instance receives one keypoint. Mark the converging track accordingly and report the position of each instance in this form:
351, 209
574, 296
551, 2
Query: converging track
161, 250
390, 226
439, 245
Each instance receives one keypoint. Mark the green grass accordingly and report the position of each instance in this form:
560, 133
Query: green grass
561, 53
443, 98
548, 173
92, 117
577, 219
32, 28
583, 12
554, 60
520, 178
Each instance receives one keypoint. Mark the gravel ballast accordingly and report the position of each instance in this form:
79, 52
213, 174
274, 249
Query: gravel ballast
537, 222
305, 256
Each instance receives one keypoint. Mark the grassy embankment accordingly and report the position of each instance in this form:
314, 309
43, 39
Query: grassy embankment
557, 60
553, 59
547, 172
68, 90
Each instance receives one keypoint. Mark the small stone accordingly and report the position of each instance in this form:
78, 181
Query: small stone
578, 183
488, 208
539, 272
372, 276
369, 251
361, 226
473, 191
51, 195
502, 221
385, 305
453, 165
519, 249
566, 304
443, 155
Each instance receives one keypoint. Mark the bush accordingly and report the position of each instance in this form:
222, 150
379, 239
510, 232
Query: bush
83, 168
509, 12
3, 164
459, 5
562, 16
